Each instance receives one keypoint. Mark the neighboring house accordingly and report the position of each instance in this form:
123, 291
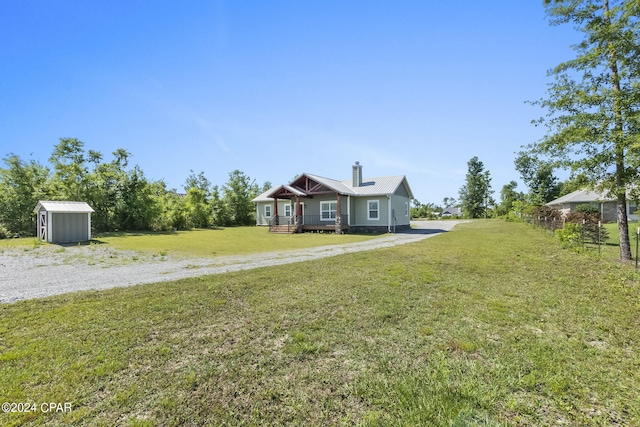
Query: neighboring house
607, 205
450, 211
312, 202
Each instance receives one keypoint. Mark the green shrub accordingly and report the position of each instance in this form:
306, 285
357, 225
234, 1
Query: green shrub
547, 218
570, 234
588, 209
512, 217
589, 221
4, 232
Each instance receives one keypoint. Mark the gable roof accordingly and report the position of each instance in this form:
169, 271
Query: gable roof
380, 186
451, 211
63, 207
369, 187
580, 196
335, 185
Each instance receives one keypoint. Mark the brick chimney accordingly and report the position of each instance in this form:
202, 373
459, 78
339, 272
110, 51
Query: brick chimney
357, 174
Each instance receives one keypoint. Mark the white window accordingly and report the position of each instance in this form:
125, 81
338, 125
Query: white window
406, 208
328, 210
287, 210
373, 209
267, 211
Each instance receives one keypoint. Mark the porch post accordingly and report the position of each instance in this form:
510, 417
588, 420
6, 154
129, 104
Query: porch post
298, 215
275, 210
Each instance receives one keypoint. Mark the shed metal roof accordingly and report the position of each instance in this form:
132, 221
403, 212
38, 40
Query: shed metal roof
63, 207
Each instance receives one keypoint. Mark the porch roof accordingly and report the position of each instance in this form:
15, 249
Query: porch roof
284, 190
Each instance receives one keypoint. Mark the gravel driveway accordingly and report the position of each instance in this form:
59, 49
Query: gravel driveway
27, 273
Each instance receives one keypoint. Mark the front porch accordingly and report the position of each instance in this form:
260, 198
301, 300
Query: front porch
308, 223
312, 206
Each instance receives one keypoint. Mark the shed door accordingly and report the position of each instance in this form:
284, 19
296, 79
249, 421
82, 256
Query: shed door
43, 226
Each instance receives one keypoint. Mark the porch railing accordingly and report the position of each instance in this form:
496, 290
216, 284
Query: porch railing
319, 220
280, 221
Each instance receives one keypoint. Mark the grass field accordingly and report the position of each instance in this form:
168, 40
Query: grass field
211, 243
491, 324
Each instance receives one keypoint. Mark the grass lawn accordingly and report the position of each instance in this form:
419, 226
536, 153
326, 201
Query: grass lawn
23, 241
490, 324
209, 243
611, 248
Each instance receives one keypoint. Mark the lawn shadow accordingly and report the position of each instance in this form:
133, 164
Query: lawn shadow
423, 231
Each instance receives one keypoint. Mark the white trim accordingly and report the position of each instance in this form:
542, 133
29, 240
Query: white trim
389, 216
265, 211
49, 226
369, 218
285, 210
89, 226
322, 210
406, 209
349, 211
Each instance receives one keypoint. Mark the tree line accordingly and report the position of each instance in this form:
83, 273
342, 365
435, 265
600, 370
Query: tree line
121, 195
592, 118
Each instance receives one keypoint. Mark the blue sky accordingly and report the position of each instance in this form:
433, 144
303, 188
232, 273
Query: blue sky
275, 89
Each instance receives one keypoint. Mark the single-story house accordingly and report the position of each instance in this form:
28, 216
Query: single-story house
451, 211
63, 222
606, 204
311, 203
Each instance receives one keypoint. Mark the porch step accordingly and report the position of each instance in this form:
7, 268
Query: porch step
282, 229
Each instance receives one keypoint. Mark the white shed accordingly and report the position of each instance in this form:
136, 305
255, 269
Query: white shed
63, 222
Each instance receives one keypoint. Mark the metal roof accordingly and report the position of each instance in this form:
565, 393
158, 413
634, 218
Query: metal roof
580, 196
64, 207
370, 186
333, 184
379, 186
289, 188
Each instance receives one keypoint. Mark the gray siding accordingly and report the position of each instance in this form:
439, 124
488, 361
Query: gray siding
360, 216
609, 211
402, 191
69, 227
398, 205
261, 219
312, 206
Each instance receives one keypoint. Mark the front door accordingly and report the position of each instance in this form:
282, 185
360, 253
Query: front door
43, 226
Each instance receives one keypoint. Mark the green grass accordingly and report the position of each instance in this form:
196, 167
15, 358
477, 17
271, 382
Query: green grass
614, 235
491, 324
23, 241
223, 241
207, 243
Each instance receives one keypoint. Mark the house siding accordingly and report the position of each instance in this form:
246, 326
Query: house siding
312, 206
398, 209
360, 216
402, 191
69, 227
261, 219
609, 211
